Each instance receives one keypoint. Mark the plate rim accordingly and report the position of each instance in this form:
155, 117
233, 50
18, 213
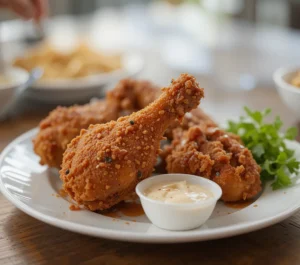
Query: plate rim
131, 236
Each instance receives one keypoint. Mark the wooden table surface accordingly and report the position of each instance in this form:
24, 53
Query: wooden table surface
25, 240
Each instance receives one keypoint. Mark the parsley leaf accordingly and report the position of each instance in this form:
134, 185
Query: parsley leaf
291, 133
268, 146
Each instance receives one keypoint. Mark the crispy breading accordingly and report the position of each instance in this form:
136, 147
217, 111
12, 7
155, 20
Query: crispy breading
104, 163
63, 124
213, 154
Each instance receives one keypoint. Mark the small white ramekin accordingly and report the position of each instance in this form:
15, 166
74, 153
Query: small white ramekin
178, 216
289, 93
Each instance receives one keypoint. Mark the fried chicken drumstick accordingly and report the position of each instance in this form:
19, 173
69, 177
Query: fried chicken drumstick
133, 95
63, 124
214, 154
104, 163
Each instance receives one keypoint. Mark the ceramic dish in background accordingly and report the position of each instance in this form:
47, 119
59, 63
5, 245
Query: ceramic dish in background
82, 89
10, 89
178, 216
31, 187
289, 93
16, 82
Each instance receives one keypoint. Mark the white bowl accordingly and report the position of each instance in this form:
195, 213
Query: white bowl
175, 216
9, 91
289, 93
81, 89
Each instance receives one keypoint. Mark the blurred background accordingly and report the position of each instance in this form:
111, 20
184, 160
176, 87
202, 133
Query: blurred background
231, 46
278, 12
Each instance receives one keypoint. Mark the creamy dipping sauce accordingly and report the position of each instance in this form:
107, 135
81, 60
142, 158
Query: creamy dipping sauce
178, 192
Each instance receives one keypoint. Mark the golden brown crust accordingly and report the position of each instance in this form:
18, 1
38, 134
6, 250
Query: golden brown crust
103, 164
197, 117
63, 124
133, 95
213, 154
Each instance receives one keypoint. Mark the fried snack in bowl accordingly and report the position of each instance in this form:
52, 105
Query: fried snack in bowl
296, 80
79, 62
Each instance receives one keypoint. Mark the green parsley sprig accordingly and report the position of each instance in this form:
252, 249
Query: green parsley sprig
268, 146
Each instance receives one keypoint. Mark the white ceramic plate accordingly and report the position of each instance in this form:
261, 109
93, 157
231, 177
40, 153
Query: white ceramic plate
74, 90
32, 188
